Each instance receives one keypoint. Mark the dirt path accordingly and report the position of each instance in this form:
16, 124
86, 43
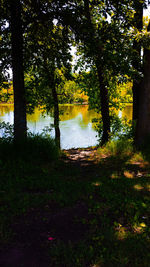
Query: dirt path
83, 157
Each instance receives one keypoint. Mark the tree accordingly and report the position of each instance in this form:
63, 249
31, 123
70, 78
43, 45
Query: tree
50, 44
12, 56
20, 122
106, 45
143, 125
137, 65
94, 42
22, 26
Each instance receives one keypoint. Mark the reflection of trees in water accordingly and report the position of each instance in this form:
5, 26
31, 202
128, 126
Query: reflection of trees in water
6, 109
127, 112
35, 116
71, 112
68, 112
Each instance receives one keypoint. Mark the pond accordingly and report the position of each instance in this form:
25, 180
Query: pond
77, 129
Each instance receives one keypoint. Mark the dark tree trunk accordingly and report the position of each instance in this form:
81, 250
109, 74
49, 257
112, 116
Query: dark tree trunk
138, 6
143, 122
56, 117
50, 75
136, 92
96, 51
56, 109
20, 123
104, 107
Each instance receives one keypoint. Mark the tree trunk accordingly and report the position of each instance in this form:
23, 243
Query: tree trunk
138, 6
143, 123
51, 75
56, 109
96, 50
136, 92
56, 117
20, 123
104, 107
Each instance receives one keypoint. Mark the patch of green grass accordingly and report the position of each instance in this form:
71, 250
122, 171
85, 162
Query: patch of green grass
119, 147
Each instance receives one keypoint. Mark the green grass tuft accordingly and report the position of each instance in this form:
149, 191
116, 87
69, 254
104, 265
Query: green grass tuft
120, 147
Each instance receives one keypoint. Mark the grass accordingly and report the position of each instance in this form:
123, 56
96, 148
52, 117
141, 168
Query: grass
114, 231
120, 147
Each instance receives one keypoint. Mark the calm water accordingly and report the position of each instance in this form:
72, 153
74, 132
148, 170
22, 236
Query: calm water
77, 129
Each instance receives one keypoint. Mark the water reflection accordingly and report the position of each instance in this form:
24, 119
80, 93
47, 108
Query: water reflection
76, 125
127, 112
77, 129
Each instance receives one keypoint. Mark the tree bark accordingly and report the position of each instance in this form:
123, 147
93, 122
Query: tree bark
143, 122
138, 6
104, 107
56, 110
20, 122
51, 76
56, 117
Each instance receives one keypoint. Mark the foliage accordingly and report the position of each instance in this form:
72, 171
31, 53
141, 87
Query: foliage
6, 131
70, 92
120, 93
39, 91
48, 35
118, 147
40, 146
49, 66
120, 89
88, 82
6, 93
120, 127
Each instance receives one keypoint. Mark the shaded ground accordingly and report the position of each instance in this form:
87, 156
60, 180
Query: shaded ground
37, 228
96, 213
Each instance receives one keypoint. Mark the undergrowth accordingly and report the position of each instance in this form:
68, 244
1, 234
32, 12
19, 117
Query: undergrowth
119, 147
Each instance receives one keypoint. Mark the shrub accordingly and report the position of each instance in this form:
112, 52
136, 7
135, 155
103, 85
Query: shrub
36, 147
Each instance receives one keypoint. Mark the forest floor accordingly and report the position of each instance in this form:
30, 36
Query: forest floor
88, 209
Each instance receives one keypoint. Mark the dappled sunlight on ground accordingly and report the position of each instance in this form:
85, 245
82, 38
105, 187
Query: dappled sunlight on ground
140, 187
81, 155
129, 174
121, 232
139, 228
116, 175
87, 209
97, 184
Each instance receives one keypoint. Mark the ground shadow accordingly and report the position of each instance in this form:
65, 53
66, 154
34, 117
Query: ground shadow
95, 213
